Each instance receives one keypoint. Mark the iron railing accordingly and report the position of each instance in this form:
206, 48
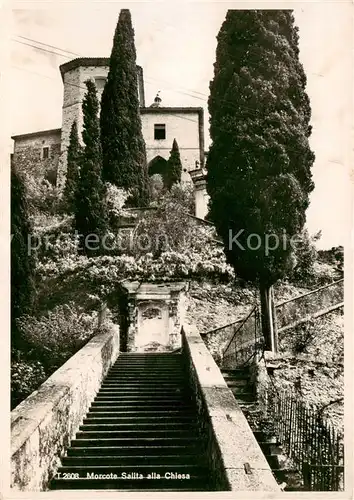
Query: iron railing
245, 341
309, 440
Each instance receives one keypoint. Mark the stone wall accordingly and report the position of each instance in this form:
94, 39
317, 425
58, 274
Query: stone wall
44, 423
28, 154
235, 458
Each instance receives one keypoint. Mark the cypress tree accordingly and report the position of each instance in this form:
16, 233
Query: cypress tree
123, 146
90, 213
174, 167
72, 174
22, 262
259, 164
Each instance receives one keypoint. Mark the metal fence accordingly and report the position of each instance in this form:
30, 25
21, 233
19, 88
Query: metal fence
309, 440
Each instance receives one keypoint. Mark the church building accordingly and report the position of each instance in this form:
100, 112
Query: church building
43, 154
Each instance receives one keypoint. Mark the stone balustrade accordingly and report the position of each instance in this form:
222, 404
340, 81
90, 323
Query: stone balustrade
236, 459
44, 423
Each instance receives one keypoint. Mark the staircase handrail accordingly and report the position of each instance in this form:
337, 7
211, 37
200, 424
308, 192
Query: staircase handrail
309, 293
243, 321
279, 304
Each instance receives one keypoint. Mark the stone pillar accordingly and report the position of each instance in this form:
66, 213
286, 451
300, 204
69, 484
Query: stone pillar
200, 193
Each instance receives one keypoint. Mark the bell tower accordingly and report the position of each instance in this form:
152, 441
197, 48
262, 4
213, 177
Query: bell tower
74, 74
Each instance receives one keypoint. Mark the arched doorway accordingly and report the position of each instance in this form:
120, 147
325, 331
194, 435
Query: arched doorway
158, 165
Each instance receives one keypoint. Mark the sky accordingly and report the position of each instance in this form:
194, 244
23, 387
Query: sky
176, 47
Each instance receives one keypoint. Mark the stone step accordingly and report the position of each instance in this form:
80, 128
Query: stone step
152, 382
147, 434
128, 451
135, 367
129, 364
139, 403
144, 469
236, 373
245, 404
146, 390
154, 367
137, 427
143, 384
245, 397
141, 398
270, 448
240, 389
143, 420
148, 354
266, 437
169, 418
152, 441
147, 376
108, 412
134, 408
168, 460
238, 382
273, 461
234, 383
283, 474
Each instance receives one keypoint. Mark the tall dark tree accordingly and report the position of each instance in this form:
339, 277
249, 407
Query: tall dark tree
90, 212
123, 146
22, 262
73, 168
174, 167
259, 163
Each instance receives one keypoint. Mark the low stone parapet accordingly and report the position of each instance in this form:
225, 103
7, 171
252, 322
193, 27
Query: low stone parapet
235, 458
44, 423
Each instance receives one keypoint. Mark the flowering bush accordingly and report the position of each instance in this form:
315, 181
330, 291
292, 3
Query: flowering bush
26, 377
54, 337
116, 198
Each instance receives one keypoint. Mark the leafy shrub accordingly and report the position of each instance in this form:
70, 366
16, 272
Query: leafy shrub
303, 336
305, 256
42, 196
157, 188
170, 227
333, 257
26, 377
54, 337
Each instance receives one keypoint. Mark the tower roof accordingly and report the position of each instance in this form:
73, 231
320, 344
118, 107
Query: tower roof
87, 61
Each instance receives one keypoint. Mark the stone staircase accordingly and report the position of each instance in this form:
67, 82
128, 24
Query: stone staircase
140, 433
238, 380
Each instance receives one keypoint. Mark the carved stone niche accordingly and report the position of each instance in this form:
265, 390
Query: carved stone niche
156, 313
